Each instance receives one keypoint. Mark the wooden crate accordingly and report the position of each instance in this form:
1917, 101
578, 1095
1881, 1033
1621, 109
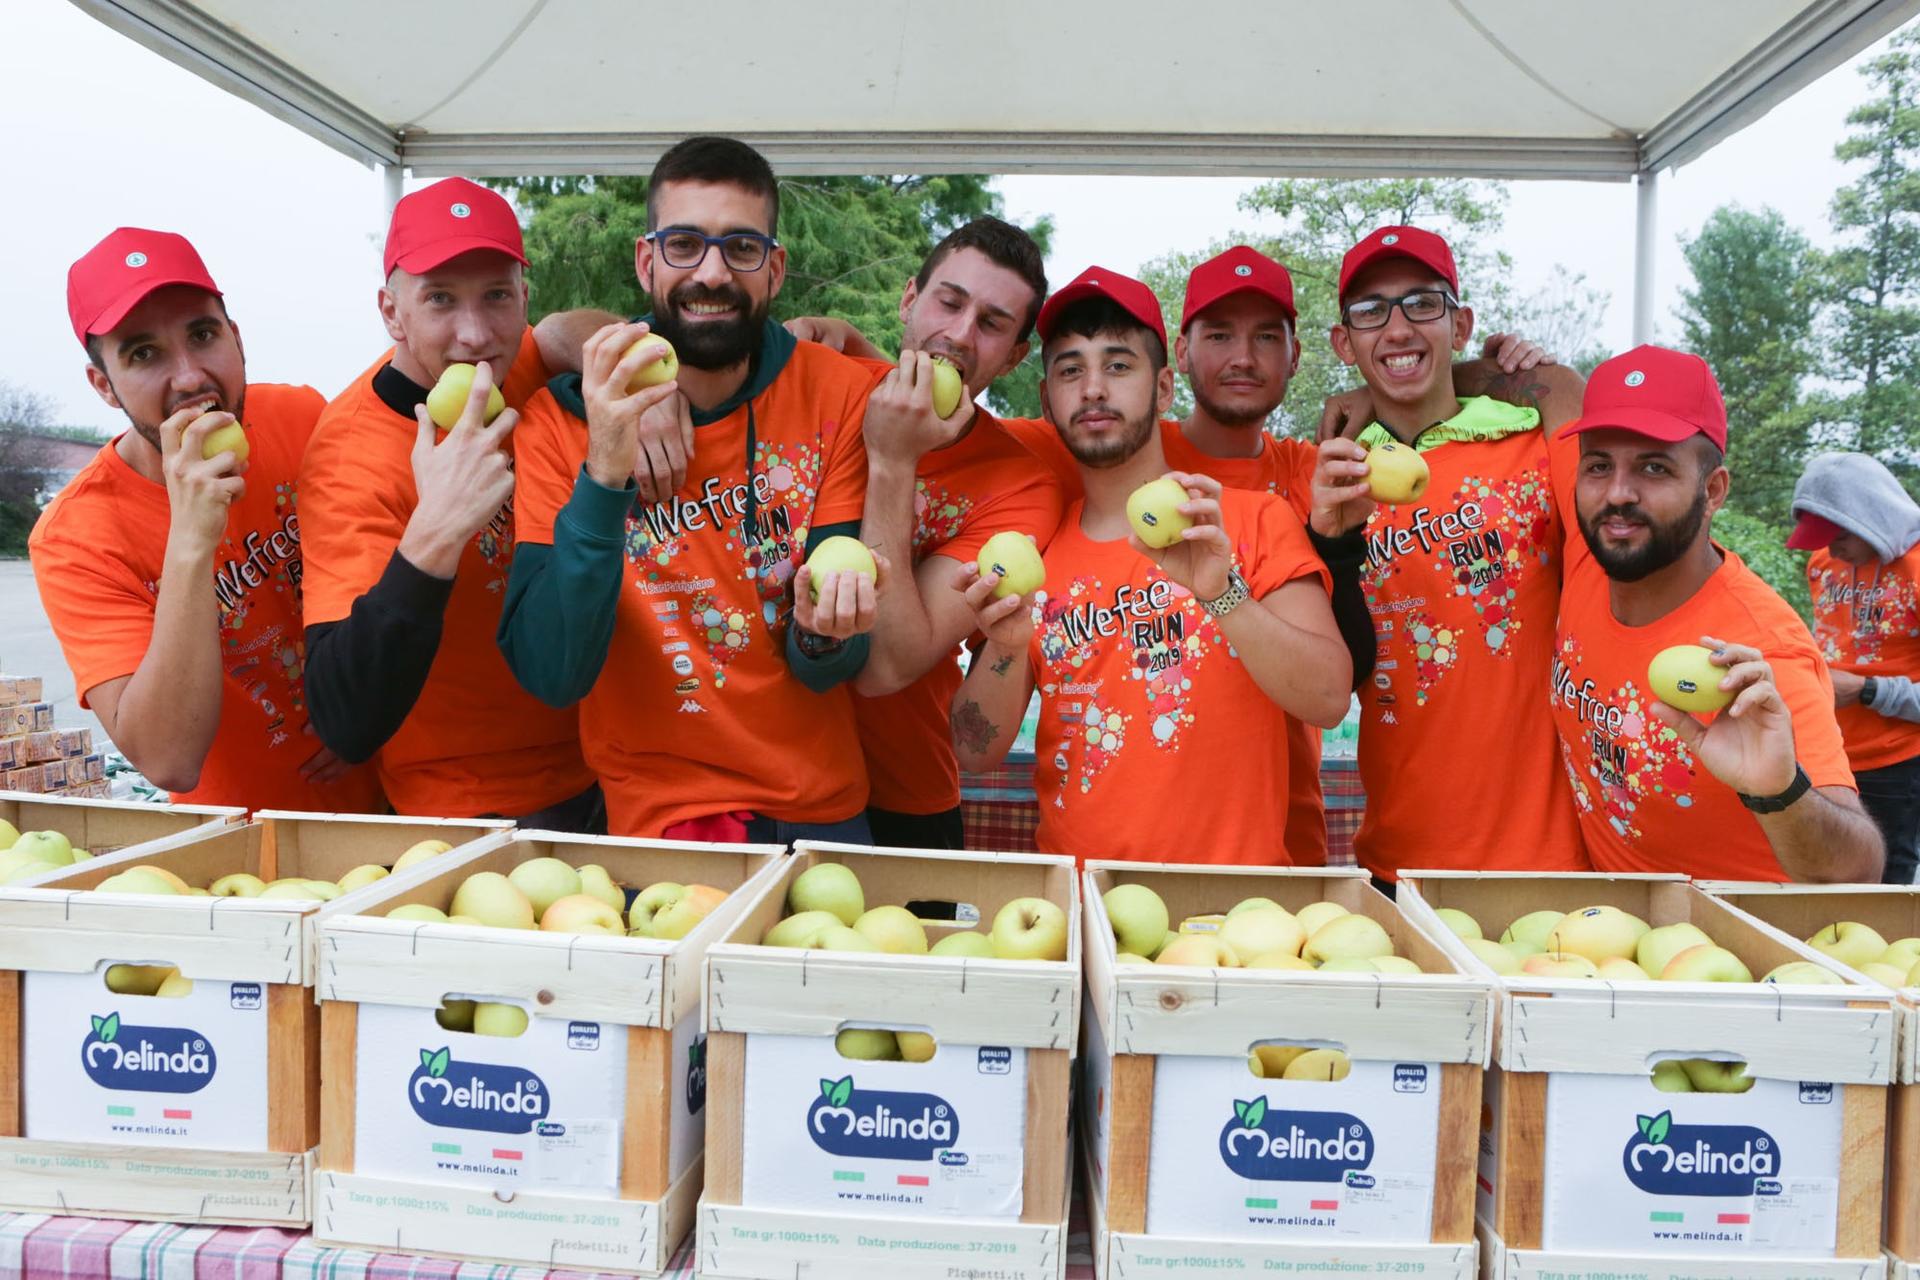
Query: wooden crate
765, 1001
1575, 1039
1793, 912
1149, 1028
105, 827
646, 993
60, 926
1498, 1262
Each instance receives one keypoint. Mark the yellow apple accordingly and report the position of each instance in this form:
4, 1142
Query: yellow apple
455, 1015
1551, 964
1671, 1077
1902, 953
915, 1046
491, 898
362, 876
137, 979
1029, 929
1154, 512
1319, 1064
1886, 975
650, 902
448, 399
420, 853
1248, 904
1315, 914
665, 369
1127, 957
1533, 928
948, 388
868, 1044
175, 985
288, 891
490, 1019
1709, 1076
1463, 925
470, 921
325, 890
1621, 969
1279, 960
595, 882
14, 859
231, 438
895, 930
544, 881
840, 937
1496, 957
8, 834
838, 554
1261, 931
1274, 1059
136, 880
1200, 950
1013, 556
1661, 945
1849, 942
1348, 935
1349, 964
1683, 677
46, 846
678, 918
1209, 923
238, 885
419, 912
31, 870
970, 943
800, 930
828, 886
1395, 964
1596, 933
1706, 963
1396, 472
581, 913
1803, 973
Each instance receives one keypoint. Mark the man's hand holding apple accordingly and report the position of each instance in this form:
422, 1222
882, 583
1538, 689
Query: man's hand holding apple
1749, 746
1341, 497
608, 363
462, 481
199, 489
901, 426
848, 602
1006, 621
1203, 557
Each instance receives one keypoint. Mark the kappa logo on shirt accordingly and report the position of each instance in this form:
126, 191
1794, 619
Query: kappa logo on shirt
689, 706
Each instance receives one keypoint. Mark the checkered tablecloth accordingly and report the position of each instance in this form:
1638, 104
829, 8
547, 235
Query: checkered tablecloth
38, 1245
1000, 811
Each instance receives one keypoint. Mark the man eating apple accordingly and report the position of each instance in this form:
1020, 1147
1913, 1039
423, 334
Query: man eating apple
1175, 661
170, 567
1762, 790
410, 534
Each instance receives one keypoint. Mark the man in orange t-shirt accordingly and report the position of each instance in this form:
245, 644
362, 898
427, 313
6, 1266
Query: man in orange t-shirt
1864, 532
1154, 667
712, 687
411, 535
172, 577
1758, 791
936, 491
1463, 580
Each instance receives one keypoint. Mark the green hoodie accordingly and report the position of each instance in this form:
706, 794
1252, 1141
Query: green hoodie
1480, 418
557, 622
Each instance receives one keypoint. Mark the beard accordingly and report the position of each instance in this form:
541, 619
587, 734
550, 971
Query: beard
1116, 449
707, 344
150, 431
1227, 415
1665, 543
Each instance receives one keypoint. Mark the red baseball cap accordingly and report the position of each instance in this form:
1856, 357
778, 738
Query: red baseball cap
1658, 392
1812, 532
1238, 270
449, 218
111, 278
1134, 298
1424, 247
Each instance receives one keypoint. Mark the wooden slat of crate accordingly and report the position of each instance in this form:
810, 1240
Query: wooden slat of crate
154, 1184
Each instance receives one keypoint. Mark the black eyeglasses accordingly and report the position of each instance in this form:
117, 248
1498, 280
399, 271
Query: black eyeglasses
1419, 307
741, 251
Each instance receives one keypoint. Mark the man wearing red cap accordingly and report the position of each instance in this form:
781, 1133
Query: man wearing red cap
1758, 791
1462, 579
170, 567
410, 536
1863, 529
1152, 664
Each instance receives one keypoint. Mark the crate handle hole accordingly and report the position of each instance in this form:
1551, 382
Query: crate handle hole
146, 980
1699, 1073
870, 1043
1321, 1060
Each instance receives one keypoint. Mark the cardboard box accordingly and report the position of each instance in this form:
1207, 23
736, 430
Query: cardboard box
1581, 1155
575, 1144
863, 1170
18, 689
1498, 1262
1193, 1161
202, 1108
1796, 911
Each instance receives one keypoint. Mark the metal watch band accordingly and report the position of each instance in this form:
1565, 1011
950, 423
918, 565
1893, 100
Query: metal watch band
1232, 598
1800, 785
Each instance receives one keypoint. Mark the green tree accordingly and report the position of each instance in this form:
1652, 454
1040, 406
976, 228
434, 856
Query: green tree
1750, 313
25, 419
852, 243
1876, 273
1319, 220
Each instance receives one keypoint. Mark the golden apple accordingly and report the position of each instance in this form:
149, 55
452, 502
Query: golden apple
448, 399
1396, 472
1685, 677
838, 554
1154, 512
1013, 556
231, 438
665, 369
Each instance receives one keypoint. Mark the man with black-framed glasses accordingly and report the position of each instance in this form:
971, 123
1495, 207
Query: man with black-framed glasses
678, 613
1457, 747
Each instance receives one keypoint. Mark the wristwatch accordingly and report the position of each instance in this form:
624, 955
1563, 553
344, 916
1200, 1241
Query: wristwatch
814, 646
1232, 598
1869, 687
1800, 785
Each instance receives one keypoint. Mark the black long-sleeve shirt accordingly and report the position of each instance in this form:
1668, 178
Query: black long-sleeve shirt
1344, 555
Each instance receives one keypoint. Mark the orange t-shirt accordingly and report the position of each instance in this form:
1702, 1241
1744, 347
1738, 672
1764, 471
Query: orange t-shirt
1140, 695
1456, 744
1867, 621
695, 712
1644, 804
475, 742
983, 484
98, 551
1283, 468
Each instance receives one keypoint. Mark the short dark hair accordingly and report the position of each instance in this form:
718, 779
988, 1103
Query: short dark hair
1095, 316
1005, 246
95, 343
712, 159
1709, 455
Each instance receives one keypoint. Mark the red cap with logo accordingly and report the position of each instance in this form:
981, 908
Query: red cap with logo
111, 278
449, 218
1812, 532
1130, 295
1238, 270
1424, 247
1656, 392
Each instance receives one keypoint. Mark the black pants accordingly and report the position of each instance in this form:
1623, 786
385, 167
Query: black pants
583, 815
942, 830
1892, 796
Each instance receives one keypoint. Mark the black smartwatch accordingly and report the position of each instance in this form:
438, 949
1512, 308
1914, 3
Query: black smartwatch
1800, 785
1869, 687
814, 646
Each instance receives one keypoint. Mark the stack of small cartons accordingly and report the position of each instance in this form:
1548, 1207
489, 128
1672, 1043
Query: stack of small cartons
39, 759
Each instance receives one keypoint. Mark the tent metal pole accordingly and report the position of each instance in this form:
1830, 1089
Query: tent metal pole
1645, 233
393, 176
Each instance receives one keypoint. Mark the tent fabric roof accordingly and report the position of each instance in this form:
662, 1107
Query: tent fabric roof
1492, 88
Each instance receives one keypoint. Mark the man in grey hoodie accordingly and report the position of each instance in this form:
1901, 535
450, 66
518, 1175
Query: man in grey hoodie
1862, 528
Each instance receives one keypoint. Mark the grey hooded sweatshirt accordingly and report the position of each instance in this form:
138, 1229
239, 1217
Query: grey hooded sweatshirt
1858, 493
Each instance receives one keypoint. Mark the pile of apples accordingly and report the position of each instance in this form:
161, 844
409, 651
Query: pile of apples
1606, 942
1859, 946
828, 912
147, 878
34, 853
557, 897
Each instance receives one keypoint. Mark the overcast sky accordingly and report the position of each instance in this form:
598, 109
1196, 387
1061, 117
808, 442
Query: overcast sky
101, 133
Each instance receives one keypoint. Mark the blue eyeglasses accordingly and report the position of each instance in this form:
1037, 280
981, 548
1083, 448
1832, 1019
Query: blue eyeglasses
684, 250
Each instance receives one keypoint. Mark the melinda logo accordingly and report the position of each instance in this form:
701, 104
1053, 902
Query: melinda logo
475, 1095
1294, 1146
880, 1125
147, 1059
1699, 1159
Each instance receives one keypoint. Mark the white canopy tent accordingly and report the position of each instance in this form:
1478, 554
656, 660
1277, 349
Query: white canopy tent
1475, 88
